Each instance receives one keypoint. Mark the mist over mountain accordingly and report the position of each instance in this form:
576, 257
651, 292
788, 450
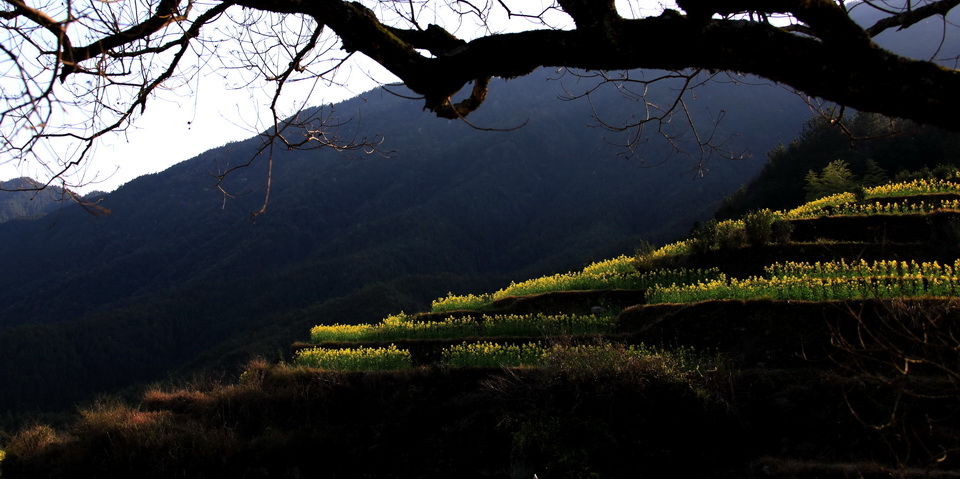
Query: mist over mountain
178, 278
20, 199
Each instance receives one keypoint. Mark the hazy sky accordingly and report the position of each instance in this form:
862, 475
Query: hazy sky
175, 129
183, 122
179, 125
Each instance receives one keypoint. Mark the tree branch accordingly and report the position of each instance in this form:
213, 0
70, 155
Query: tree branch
911, 17
842, 65
825, 18
166, 13
823, 53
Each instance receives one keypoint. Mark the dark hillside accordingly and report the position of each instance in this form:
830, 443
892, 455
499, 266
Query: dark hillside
177, 276
815, 343
27, 204
887, 147
895, 147
797, 382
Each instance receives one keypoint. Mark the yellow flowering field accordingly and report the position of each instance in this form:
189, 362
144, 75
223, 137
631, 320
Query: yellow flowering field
468, 302
622, 264
862, 268
824, 282
358, 359
896, 208
816, 208
489, 354
678, 248
846, 203
612, 274
924, 186
401, 327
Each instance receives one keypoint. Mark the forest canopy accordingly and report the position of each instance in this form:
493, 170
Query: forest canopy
75, 71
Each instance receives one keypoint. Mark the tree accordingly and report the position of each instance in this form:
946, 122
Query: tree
76, 70
835, 178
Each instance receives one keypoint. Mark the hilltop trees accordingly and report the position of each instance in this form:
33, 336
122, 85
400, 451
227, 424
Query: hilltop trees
836, 177
873, 150
74, 71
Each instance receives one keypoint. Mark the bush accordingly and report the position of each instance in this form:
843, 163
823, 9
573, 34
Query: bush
781, 231
718, 235
759, 227
731, 235
704, 237
31, 441
764, 227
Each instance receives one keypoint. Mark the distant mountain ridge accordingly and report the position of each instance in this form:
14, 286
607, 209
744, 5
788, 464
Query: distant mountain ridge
20, 199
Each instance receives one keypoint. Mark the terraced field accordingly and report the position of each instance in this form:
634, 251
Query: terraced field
821, 342
861, 286
588, 305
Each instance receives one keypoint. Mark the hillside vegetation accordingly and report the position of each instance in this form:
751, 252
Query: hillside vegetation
820, 341
19, 202
177, 280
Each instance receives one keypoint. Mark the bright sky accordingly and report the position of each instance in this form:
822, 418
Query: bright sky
181, 123
175, 129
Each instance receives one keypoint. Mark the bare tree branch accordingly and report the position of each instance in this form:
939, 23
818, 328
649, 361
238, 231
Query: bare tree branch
55, 91
909, 18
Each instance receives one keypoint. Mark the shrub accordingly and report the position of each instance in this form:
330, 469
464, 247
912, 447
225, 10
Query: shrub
731, 235
588, 360
704, 237
715, 234
643, 251
859, 193
758, 226
33, 440
781, 230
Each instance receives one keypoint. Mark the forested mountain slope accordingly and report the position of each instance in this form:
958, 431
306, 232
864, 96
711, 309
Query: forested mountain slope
18, 201
177, 275
815, 342
771, 346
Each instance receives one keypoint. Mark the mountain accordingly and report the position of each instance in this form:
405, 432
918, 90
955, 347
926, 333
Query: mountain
178, 278
813, 343
20, 199
886, 149
872, 145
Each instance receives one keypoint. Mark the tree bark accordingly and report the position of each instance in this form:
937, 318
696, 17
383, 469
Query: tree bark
839, 64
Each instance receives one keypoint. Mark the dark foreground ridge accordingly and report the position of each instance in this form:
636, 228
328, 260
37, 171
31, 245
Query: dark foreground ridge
732, 388
775, 414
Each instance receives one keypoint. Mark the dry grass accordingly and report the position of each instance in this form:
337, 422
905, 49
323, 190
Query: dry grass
32, 440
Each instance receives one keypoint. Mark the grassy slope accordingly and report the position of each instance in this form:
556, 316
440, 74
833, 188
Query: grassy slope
777, 389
